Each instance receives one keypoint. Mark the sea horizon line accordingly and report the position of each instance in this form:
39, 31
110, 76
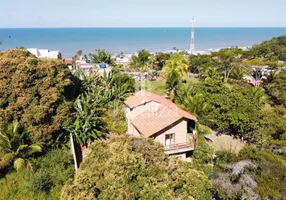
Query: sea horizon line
139, 27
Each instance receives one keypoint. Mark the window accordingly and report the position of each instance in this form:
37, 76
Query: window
191, 125
169, 139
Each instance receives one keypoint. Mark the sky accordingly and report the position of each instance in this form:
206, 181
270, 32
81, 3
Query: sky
143, 13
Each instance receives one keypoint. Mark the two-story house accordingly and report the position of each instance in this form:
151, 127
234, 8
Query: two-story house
153, 116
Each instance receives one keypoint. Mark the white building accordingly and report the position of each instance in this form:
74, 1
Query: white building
86, 67
122, 60
45, 53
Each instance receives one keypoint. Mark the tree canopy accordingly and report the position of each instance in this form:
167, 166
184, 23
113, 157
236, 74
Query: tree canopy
177, 63
140, 61
135, 168
271, 50
36, 92
277, 88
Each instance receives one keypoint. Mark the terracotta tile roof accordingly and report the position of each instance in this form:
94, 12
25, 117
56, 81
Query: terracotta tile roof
68, 62
149, 123
136, 100
142, 97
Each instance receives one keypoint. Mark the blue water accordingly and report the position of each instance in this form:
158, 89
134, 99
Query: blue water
129, 40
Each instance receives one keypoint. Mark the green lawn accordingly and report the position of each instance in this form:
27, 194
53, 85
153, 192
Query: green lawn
157, 87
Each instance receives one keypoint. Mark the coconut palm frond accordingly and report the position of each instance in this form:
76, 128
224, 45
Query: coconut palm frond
176, 63
202, 129
6, 160
21, 148
34, 148
12, 142
19, 163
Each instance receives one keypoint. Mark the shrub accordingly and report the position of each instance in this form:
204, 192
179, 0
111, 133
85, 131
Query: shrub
43, 181
270, 174
224, 157
203, 152
263, 178
134, 168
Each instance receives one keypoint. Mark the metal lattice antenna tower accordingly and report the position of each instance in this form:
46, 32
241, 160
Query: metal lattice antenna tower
192, 48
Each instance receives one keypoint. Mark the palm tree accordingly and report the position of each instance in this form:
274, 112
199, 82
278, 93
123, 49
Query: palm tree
14, 148
259, 95
237, 73
176, 63
196, 104
135, 62
144, 56
79, 53
74, 59
211, 73
192, 101
172, 83
101, 56
271, 77
175, 49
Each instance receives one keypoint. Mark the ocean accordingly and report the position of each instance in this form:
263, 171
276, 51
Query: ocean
130, 40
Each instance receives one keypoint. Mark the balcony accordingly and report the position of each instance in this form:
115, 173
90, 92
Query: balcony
179, 148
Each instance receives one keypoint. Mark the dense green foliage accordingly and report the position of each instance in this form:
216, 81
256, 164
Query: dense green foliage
135, 168
228, 104
36, 92
140, 61
230, 108
14, 147
161, 59
277, 88
274, 49
42, 181
45, 97
177, 63
172, 82
203, 153
98, 107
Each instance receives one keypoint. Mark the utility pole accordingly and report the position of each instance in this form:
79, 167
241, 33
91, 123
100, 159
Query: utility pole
192, 47
73, 153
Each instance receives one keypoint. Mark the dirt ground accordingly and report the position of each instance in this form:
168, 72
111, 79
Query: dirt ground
225, 142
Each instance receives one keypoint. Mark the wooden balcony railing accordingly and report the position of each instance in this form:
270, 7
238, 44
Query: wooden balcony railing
179, 146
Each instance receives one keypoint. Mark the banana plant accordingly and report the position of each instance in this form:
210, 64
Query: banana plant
88, 124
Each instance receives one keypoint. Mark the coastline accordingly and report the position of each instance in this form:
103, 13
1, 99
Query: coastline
129, 40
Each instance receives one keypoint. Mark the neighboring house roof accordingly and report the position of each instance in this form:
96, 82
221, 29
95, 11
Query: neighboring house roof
68, 61
142, 97
150, 123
